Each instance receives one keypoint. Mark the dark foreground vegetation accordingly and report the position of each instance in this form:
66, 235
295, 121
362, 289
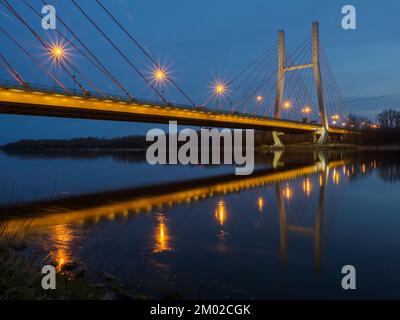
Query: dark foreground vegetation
21, 277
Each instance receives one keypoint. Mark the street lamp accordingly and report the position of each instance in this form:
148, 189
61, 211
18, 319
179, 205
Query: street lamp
259, 100
287, 104
159, 75
57, 52
306, 110
335, 119
219, 91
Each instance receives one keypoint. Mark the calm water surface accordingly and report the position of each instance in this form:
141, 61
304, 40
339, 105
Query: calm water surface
201, 232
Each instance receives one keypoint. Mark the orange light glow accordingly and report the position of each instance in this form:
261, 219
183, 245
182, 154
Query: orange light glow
161, 238
219, 88
62, 237
287, 192
220, 212
159, 75
335, 177
306, 110
57, 52
287, 104
260, 204
307, 187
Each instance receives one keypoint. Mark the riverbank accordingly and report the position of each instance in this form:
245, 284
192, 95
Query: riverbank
21, 278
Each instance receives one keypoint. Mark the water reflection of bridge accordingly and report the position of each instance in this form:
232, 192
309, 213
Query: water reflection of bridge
86, 209
123, 203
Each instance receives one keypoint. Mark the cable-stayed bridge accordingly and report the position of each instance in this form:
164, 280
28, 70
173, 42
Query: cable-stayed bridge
280, 91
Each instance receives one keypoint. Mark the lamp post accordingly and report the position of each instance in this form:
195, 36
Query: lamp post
219, 91
160, 75
57, 53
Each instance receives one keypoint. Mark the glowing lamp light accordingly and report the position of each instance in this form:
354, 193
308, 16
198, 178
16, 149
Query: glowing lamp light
306, 109
260, 203
159, 75
221, 213
219, 89
259, 98
287, 104
287, 192
57, 52
307, 187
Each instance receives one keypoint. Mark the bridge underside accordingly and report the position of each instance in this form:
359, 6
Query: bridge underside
20, 102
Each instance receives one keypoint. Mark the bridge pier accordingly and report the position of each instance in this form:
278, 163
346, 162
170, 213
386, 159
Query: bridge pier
323, 136
277, 140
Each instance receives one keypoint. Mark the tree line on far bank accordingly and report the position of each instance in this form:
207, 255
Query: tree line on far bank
387, 119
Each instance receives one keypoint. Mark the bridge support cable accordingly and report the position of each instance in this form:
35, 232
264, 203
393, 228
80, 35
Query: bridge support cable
99, 65
296, 56
331, 98
43, 42
158, 93
264, 84
242, 77
256, 67
156, 64
261, 58
328, 70
35, 61
319, 86
296, 92
13, 73
73, 45
261, 72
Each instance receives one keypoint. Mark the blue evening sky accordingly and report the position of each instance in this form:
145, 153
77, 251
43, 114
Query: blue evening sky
203, 40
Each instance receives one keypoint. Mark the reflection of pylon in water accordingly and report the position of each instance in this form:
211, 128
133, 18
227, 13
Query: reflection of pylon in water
315, 232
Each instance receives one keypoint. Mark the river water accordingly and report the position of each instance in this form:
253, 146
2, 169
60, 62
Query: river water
202, 232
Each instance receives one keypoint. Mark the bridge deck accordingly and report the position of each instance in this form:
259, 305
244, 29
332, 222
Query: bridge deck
40, 103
